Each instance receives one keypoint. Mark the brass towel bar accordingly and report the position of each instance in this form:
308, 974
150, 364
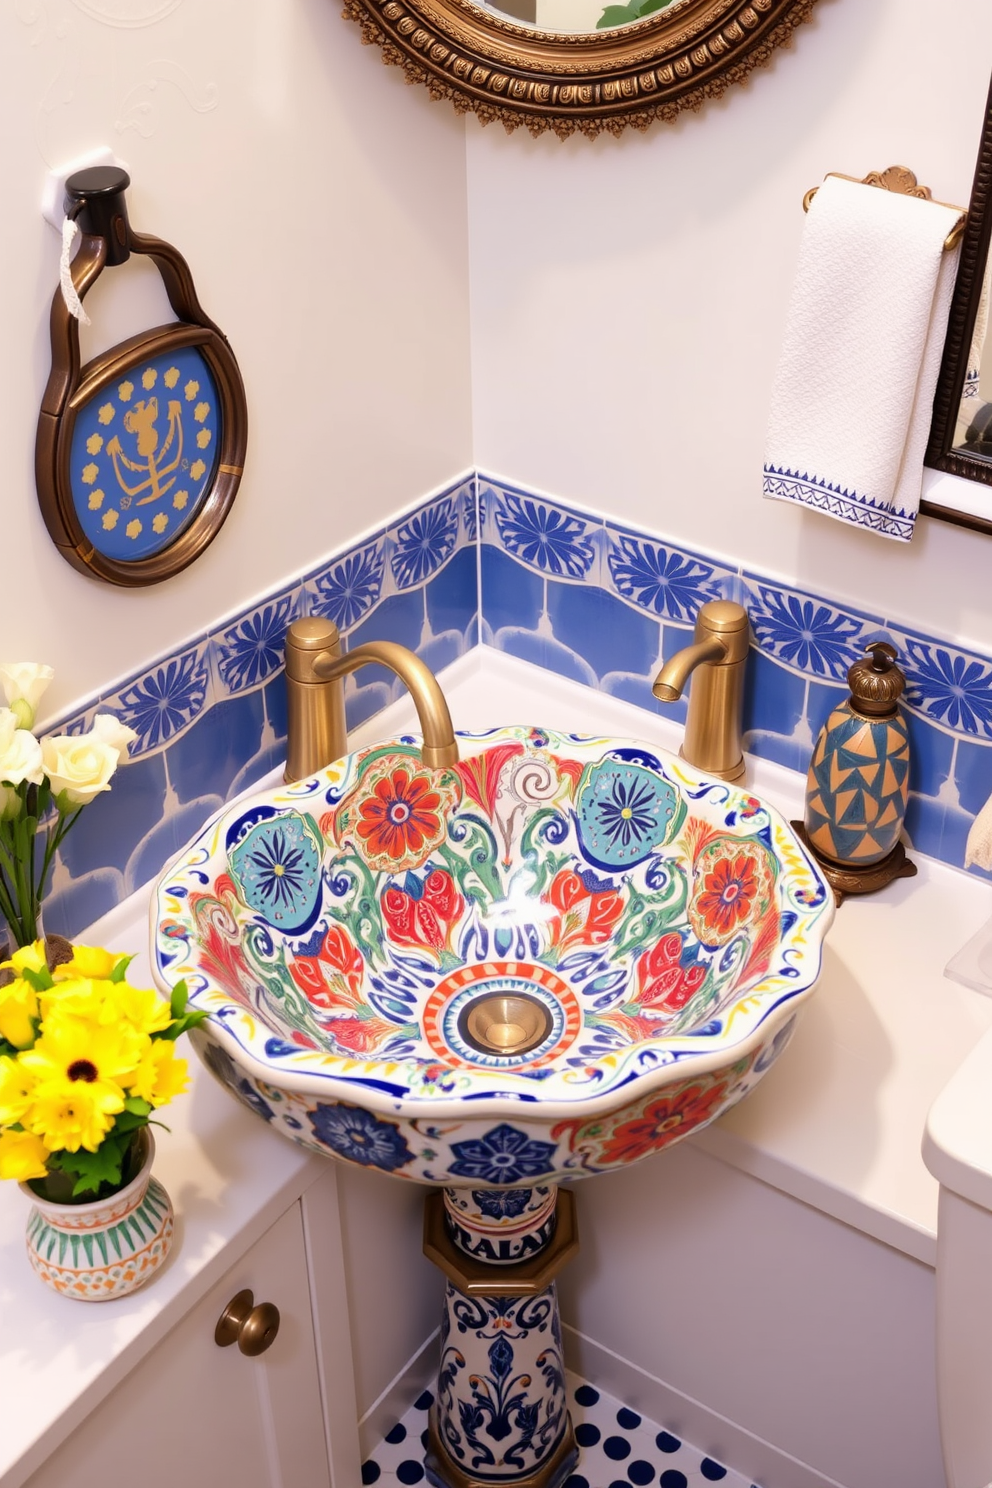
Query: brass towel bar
902, 181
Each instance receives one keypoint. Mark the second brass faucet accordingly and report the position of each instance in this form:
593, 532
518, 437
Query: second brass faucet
715, 661
315, 671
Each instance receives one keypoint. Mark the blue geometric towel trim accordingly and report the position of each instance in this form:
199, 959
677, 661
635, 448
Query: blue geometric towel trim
859, 511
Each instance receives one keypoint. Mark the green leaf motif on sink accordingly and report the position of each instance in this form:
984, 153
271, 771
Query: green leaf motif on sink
276, 867
625, 813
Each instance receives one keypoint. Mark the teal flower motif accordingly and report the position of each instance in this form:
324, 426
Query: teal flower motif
624, 813
276, 867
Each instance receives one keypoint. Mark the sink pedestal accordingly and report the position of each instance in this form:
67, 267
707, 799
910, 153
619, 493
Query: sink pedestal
499, 1416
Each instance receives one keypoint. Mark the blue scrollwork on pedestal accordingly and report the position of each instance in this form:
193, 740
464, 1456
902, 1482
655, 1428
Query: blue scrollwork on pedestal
501, 1386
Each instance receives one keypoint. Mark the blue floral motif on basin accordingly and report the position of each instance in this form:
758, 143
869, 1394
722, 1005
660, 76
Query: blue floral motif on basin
356, 1135
503, 1155
625, 812
276, 865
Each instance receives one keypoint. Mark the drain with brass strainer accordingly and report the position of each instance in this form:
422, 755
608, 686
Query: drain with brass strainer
506, 1023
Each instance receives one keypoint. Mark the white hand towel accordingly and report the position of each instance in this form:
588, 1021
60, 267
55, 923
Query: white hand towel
852, 399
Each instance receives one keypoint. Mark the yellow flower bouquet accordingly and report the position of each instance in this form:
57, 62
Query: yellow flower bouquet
85, 1058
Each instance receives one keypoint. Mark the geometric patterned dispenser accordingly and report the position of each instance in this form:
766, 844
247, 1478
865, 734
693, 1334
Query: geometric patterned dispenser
858, 781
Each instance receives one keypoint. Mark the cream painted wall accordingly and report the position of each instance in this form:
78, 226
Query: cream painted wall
629, 297
321, 204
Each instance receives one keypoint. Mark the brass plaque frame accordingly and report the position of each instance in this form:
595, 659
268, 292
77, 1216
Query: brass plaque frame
631, 75
72, 387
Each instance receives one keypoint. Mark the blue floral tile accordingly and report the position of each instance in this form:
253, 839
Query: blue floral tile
471, 504
774, 697
821, 699
452, 597
541, 649
107, 832
973, 774
166, 700
511, 594
605, 632
251, 649
205, 760
546, 536
931, 756
806, 633
665, 580
424, 542
83, 901
946, 685
348, 587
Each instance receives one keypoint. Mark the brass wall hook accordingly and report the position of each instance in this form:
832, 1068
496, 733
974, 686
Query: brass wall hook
901, 180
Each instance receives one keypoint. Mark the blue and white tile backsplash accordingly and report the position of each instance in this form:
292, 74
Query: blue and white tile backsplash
590, 598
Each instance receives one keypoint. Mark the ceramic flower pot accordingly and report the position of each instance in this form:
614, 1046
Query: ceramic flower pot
98, 1251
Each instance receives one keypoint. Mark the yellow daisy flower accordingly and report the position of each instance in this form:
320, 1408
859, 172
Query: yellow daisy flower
18, 1007
22, 1156
88, 961
160, 1075
17, 1087
140, 1007
74, 1113
74, 1050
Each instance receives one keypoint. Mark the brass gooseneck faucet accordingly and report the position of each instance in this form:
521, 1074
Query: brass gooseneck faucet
716, 662
315, 673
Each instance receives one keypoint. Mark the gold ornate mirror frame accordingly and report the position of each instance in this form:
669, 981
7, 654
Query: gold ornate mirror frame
633, 75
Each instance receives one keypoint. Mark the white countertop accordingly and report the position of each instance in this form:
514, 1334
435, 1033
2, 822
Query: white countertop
837, 1122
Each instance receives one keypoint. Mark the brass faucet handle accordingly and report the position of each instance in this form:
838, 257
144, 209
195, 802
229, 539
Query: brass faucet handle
727, 620
310, 643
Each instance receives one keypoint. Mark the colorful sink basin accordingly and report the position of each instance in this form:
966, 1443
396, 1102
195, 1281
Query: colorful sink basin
557, 957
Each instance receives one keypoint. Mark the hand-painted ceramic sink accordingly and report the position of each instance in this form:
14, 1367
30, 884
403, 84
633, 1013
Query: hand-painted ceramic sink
554, 958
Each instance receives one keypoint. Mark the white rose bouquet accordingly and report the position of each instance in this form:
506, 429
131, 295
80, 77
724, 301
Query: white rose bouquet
44, 784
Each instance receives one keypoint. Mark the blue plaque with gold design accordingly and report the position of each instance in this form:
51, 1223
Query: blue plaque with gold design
140, 453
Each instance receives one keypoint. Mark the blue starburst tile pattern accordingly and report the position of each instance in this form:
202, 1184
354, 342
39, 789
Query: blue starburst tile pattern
349, 588
550, 583
424, 542
618, 1447
250, 650
166, 700
660, 578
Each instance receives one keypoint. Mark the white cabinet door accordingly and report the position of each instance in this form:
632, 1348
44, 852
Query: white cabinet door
193, 1414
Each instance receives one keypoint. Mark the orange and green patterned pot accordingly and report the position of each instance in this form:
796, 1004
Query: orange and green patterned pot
95, 1252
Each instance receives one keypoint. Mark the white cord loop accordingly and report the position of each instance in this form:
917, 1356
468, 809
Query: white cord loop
73, 303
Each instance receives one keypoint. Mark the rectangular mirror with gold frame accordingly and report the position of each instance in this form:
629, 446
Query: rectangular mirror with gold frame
961, 433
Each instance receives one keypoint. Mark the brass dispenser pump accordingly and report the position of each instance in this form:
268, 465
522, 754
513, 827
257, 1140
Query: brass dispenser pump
315, 673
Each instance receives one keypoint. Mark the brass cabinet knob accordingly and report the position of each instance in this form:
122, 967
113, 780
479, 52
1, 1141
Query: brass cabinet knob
252, 1328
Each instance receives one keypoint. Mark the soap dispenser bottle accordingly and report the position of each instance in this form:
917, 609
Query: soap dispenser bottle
858, 781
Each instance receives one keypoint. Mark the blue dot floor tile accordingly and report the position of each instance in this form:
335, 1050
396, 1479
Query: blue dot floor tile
618, 1448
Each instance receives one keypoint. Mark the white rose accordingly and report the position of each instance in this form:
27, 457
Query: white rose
78, 766
20, 752
24, 682
113, 732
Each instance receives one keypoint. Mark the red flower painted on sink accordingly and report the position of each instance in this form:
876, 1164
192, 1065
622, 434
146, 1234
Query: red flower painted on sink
400, 817
588, 908
664, 1120
662, 980
332, 983
423, 914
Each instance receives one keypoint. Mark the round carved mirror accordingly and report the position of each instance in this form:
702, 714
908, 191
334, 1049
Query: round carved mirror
570, 65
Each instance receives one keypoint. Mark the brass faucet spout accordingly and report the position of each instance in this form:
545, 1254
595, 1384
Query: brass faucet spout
315, 672
669, 684
715, 661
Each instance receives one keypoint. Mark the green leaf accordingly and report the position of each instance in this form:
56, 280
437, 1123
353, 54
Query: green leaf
90, 1169
120, 970
136, 1106
180, 997
39, 980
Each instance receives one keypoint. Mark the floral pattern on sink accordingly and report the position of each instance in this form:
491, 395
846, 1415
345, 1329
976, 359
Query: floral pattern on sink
668, 925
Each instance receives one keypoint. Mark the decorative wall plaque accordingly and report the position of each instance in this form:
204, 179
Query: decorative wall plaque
139, 453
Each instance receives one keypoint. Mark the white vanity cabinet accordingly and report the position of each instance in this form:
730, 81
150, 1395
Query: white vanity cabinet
192, 1412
